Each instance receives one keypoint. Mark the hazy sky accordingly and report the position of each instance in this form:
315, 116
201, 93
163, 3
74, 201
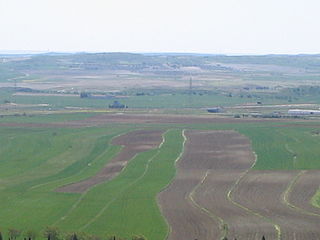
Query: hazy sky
204, 26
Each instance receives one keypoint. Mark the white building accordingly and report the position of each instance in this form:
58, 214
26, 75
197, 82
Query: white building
303, 112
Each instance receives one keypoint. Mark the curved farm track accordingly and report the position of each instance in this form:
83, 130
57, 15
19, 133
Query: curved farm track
304, 188
133, 143
196, 204
264, 192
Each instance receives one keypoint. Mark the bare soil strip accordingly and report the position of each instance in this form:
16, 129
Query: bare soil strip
103, 119
133, 143
305, 187
198, 207
263, 192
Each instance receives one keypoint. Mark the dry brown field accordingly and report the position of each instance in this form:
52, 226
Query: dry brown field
304, 188
216, 194
124, 118
264, 193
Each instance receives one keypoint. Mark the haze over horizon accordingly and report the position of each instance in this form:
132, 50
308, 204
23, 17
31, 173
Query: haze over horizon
144, 26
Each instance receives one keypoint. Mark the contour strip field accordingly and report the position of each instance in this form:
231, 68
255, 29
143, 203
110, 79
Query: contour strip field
305, 187
133, 143
264, 192
196, 204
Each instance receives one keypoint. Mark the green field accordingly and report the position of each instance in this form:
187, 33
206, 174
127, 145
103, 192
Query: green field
35, 161
158, 101
285, 148
170, 101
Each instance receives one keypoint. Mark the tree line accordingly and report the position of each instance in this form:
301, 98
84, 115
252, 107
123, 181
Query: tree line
53, 233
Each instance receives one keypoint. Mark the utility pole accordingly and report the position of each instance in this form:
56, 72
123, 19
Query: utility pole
15, 92
190, 92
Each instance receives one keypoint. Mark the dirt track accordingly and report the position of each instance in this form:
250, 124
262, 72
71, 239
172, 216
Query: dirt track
196, 204
133, 143
263, 192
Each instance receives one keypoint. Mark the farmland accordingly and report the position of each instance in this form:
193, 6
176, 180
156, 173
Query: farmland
163, 168
112, 206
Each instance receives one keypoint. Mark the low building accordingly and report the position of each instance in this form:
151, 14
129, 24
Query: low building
215, 110
303, 112
117, 104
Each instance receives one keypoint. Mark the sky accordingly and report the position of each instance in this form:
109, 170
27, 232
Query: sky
193, 26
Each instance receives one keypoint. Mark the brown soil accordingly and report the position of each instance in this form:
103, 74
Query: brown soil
186, 221
263, 192
103, 119
304, 189
161, 119
196, 204
241, 224
133, 143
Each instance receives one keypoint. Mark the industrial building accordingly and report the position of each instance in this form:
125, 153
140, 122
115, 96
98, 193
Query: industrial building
303, 112
215, 110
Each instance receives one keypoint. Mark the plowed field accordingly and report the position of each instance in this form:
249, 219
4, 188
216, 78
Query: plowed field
216, 194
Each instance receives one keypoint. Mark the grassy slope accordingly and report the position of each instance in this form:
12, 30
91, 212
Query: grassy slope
284, 148
28, 200
46, 159
127, 204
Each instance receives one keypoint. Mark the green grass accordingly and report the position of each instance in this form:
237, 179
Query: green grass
157, 101
127, 205
37, 156
164, 101
35, 161
284, 148
54, 157
315, 201
7, 75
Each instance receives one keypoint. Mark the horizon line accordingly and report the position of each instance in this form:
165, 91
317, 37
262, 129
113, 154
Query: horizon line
39, 52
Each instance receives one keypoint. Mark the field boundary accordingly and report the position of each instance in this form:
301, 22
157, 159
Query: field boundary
286, 195
175, 165
222, 223
315, 198
108, 149
158, 151
113, 199
82, 195
250, 211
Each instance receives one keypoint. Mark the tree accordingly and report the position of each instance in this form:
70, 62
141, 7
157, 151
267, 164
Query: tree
14, 233
111, 237
51, 233
1, 238
31, 235
73, 236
